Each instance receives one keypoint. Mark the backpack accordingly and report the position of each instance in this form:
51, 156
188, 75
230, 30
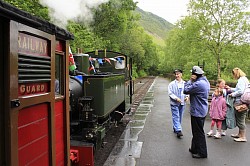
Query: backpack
245, 97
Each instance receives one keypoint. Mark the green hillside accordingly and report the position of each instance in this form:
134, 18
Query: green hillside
154, 25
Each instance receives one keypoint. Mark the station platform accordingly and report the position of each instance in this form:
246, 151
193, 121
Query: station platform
149, 139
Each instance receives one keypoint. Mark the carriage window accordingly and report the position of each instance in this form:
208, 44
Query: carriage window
120, 62
58, 75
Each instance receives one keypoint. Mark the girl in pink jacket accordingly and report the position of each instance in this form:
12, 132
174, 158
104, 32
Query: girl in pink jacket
217, 112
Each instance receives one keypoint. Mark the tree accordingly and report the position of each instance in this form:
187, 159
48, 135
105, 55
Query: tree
222, 22
31, 6
117, 25
111, 21
84, 38
183, 49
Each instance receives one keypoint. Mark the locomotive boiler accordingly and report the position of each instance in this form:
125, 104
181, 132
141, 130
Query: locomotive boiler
100, 94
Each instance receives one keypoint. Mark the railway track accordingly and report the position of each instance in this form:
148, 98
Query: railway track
141, 87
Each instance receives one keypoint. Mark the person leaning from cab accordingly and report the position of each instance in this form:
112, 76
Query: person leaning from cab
177, 101
240, 117
57, 87
198, 88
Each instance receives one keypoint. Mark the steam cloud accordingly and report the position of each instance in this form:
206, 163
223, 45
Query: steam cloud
61, 11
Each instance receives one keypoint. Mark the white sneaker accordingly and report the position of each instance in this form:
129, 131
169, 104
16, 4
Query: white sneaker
210, 133
217, 135
223, 133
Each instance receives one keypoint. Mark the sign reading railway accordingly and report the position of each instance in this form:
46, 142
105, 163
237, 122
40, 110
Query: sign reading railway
32, 45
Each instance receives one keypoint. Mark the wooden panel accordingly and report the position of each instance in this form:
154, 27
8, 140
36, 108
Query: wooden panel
60, 130
60, 159
59, 124
32, 131
35, 113
33, 135
43, 160
33, 152
60, 142
2, 91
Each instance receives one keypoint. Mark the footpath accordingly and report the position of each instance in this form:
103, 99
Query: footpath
149, 139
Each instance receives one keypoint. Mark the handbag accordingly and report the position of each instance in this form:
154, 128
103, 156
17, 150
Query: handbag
245, 97
241, 107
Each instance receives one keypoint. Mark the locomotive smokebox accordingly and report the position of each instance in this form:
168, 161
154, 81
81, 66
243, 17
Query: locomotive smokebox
86, 109
82, 62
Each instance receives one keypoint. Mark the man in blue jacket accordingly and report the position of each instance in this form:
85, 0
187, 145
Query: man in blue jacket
177, 101
198, 88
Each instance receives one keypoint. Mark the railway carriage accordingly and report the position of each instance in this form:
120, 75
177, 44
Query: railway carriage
48, 117
34, 120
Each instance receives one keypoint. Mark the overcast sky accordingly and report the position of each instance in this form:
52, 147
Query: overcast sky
170, 10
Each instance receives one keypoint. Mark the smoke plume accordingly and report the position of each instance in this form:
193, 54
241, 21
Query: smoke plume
61, 11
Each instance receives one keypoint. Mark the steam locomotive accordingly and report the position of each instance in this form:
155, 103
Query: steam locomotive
100, 93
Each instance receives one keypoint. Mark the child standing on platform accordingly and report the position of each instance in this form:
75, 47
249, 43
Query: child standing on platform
221, 84
217, 112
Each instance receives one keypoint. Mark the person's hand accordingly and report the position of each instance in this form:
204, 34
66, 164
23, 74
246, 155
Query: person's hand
193, 77
227, 87
178, 100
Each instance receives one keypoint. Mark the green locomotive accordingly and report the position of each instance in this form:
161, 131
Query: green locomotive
100, 93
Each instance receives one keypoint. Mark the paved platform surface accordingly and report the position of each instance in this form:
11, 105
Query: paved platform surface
149, 140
